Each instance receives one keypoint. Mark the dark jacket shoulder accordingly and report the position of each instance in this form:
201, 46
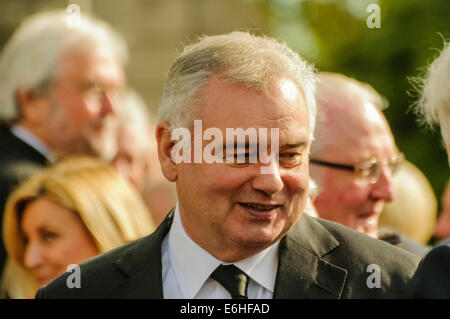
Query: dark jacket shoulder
18, 161
363, 256
432, 279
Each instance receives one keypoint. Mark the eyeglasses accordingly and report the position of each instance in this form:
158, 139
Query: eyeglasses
369, 170
94, 91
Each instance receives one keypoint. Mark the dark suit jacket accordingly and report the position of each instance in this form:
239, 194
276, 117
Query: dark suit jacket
432, 279
317, 259
18, 160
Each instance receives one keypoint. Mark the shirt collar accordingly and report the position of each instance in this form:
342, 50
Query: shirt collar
262, 267
184, 252
29, 138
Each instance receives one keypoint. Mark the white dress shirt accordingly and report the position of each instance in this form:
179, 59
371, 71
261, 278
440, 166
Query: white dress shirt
29, 138
186, 268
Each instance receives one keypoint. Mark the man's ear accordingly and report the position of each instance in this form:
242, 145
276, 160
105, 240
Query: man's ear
165, 145
33, 107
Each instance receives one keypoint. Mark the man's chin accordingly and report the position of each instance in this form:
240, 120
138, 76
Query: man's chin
258, 237
102, 139
103, 146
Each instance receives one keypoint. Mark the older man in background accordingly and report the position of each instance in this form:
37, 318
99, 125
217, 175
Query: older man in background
58, 83
354, 157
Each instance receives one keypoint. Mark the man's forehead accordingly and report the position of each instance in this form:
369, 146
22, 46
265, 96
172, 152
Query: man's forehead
95, 62
352, 115
353, 149
254, 108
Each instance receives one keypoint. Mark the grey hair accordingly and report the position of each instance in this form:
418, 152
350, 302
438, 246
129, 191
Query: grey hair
434, 102
237, 57
29, 59
328, 84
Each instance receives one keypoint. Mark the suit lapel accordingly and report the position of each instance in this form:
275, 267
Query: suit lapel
142, 266
302, 273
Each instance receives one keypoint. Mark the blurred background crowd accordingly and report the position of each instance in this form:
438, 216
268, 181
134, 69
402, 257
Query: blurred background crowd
121, 195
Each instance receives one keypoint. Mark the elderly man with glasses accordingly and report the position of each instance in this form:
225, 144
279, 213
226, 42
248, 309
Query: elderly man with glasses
353, 157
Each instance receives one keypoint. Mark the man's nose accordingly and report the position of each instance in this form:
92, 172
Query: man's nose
33, 256
384, 188
108, 103
268, 180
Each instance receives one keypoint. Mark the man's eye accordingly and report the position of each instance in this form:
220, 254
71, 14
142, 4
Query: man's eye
291, 158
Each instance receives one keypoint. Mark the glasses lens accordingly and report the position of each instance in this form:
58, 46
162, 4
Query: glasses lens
374, 172
396, 163
370, 170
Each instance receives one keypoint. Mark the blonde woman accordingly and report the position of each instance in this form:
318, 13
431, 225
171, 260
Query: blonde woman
63, 215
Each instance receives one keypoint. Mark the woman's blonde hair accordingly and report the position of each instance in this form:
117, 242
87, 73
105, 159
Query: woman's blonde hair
108, 206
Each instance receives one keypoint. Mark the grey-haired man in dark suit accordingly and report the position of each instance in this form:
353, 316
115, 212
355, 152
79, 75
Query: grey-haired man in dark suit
235, 128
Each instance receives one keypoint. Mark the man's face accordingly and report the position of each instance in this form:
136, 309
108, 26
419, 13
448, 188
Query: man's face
82, 100
345, 197
232, 209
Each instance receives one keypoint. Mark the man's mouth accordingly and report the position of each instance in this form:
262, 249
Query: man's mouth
260, 210
368, 223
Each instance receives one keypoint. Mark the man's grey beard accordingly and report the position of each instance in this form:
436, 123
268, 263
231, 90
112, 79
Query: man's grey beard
105, 145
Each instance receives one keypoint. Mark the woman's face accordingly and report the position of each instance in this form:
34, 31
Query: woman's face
54, 238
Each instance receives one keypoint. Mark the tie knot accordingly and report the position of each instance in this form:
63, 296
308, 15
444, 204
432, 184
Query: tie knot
234, 280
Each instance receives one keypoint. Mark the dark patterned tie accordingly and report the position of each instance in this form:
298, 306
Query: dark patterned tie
234, 280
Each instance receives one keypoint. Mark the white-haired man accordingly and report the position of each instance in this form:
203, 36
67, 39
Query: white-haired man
432, 279
354, 157
58, 82
434, 103
238, 230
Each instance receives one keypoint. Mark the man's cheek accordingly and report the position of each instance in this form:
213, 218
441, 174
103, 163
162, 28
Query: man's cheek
296, 179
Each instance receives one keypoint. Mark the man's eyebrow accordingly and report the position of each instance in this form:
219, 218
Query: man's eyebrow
247, 145
295, 145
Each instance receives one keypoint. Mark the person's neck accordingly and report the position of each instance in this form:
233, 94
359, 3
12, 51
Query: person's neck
31, 137
36, 132
57, 149
227, 251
